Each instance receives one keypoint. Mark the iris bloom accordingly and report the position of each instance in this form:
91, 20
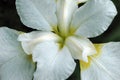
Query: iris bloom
62, 35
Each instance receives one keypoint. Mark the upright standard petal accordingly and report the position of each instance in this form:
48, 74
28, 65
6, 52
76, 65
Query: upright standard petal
37, 14
14, 63
65, 10
80, 47
52, 63
93, 18
105, 66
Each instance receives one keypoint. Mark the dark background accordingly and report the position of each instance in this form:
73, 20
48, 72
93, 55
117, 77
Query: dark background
9, 18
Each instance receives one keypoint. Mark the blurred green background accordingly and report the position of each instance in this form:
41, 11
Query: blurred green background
9, 18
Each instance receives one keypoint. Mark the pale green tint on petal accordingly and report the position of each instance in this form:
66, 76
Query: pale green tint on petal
93, 18
80, 47
65, 10
52, 63
9, 46
14, 64
37, 14
30, 40
17, 68
81, 1
106, 66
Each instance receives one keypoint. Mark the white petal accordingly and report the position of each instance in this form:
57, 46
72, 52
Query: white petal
52, 63
65, 10
14, 64
93, 18
17, 68
30, 40
37, 14
106, 66
80, 47
8, 43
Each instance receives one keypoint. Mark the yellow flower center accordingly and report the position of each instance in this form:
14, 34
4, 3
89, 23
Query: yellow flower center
84, 65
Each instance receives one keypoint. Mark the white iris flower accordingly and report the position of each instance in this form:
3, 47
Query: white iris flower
62, 36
